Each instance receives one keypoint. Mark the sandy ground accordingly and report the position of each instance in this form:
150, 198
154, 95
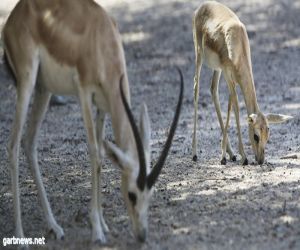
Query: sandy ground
199, 205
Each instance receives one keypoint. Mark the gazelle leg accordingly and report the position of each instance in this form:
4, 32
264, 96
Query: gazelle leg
86, 106
196, 97
23, 99
215, 96
39, 107
225, 137
100, 130
237, 118
26, 81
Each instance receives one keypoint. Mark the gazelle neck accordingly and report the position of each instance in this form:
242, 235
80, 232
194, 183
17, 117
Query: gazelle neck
248, 90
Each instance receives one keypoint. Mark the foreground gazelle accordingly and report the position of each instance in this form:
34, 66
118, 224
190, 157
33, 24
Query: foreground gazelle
221, 41
74, 47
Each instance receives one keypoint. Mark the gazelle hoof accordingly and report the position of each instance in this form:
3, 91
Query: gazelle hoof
245, 162
57, 231
100, 242
98, 236
223, 161
195, 158
233, 158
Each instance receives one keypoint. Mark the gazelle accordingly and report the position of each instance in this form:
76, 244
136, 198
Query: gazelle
221, 41
74, 47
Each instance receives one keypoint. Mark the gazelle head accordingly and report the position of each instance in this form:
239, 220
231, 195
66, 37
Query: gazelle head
259, 132
137, 180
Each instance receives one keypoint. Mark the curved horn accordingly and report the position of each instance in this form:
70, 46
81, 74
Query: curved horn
152, 177
141, 180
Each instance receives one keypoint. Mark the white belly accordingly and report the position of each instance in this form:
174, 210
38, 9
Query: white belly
57, 78
211, 59
64, 80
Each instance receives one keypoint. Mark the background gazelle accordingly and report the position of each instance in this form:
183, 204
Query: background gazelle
74, 47
221, 41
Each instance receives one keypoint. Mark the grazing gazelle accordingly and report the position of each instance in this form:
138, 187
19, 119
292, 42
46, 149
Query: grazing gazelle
74, 47
221, 41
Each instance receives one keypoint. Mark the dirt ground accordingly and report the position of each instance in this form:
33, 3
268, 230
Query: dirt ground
201, 205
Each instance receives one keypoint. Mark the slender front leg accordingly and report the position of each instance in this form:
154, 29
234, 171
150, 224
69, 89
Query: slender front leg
23, 97
196, 97
86, 106
26, 79
39, 107
237, 118
224, 141
100, 130
214, 89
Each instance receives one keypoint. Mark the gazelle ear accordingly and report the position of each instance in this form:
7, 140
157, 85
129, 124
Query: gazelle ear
145, 129
277, 118
252, 118
117, 156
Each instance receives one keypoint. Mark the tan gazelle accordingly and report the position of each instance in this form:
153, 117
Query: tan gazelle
221, 41
74, 47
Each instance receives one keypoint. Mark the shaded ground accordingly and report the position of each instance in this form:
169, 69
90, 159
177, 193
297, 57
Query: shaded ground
199, 205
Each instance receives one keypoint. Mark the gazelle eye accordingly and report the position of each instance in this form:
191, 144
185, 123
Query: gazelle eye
132, 198
256, 138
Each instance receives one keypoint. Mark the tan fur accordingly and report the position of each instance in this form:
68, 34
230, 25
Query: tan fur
68, 47
76, 44
72, 43
221, 42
